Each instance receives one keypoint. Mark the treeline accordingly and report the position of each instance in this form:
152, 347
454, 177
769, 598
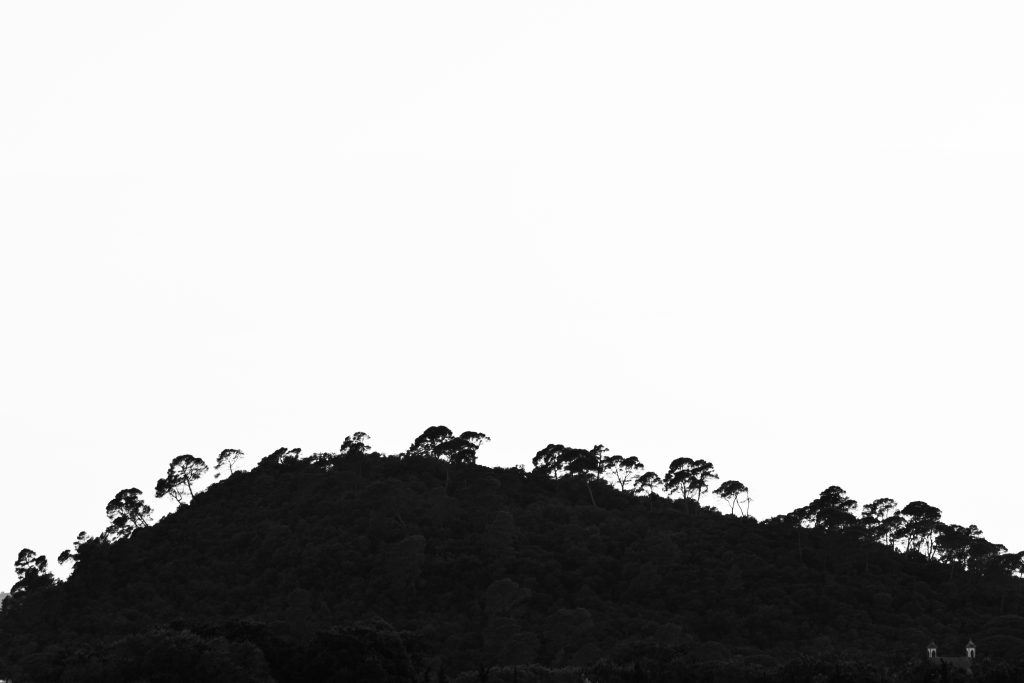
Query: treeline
426, 566
915, 528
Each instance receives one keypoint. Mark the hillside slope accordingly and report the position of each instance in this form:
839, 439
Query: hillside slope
309, 570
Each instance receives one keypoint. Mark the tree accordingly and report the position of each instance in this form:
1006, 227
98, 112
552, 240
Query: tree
832, 510
228, 457
703, 473
677, 479
880, 521
555, 459
440, 443
921, 527
953, 543
984, 556
183, 471
624, 471
127, 513
1008, 564
281, 456
357, 444
456, 451
731, 491
164, 487
475, 438
32, 572
586, 464
689, 477
426, 444
580, 462
798, 520
68, 555
648, 481
550, 460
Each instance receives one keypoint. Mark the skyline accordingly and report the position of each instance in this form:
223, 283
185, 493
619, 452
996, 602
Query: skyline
98, 521
783, 239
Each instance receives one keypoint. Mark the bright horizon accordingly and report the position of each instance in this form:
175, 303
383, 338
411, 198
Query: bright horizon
786, 239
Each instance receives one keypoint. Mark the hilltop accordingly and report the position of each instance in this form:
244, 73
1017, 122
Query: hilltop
358, 566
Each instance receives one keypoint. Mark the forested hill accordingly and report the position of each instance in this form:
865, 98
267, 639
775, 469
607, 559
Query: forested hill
357, 566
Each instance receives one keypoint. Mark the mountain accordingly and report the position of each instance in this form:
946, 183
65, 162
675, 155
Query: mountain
363, 568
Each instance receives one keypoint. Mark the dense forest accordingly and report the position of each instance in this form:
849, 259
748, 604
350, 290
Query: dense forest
427, 566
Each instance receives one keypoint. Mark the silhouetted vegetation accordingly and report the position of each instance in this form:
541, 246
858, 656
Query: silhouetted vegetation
425, 566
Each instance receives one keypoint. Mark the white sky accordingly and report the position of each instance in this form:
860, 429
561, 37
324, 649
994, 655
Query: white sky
784, 237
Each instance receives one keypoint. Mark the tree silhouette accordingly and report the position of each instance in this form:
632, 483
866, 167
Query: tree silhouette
556, 459
586, 464
623, 471
880, 521
228, 457
475, 438
648, 481
730, 491
182, 472
984, 555
309, 530
165, 488
1007, 564
426, 444
832, 509
953, 543
580, 462
127, 513
439, 442
457, 451
550, 460
282, 455
921, 527
68, 555
32, 572
677, 478
689, 477
357, 444
703, 473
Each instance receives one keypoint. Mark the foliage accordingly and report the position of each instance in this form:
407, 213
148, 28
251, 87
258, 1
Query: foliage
127, 513
731, 491
183, 471
359, 566
228, 457
32, 571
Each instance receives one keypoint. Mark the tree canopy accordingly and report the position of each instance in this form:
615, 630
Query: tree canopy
127, 513
309, 567
183, 471
229, 457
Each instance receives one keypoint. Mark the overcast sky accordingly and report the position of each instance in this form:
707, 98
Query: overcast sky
783, 237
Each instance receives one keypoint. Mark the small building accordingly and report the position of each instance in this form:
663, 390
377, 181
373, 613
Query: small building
963, 663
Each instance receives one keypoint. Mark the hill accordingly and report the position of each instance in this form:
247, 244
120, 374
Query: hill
365, 567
